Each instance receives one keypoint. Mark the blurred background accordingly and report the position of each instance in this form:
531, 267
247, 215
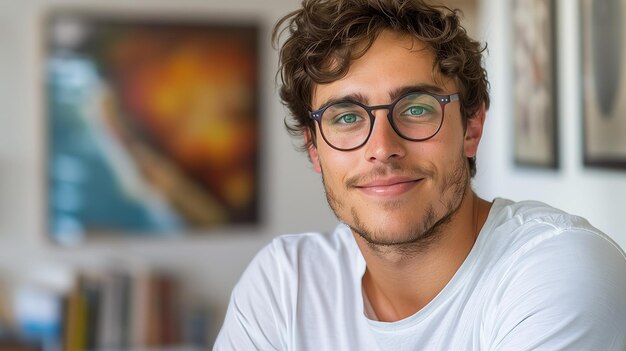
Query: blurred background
144, 161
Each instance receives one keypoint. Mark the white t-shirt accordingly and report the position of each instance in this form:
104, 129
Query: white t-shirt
536, 279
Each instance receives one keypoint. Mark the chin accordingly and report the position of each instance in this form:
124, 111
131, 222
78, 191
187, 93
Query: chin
384, 229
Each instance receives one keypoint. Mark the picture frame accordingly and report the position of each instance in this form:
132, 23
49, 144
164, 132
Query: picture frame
603, 83
151, 124
535, 87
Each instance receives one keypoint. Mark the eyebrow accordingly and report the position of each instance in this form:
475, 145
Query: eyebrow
354, 97
420, 88
393, 94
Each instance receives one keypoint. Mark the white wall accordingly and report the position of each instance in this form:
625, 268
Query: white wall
293, 196
599, 195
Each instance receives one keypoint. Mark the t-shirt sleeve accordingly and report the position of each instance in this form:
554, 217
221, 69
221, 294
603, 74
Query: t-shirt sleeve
566, 293
255, 319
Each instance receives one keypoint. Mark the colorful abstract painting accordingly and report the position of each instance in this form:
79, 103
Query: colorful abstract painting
152, 125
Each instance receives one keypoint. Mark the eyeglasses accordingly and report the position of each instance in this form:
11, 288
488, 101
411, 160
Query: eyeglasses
415, 116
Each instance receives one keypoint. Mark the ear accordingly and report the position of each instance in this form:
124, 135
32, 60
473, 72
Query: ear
474, 131
312, 150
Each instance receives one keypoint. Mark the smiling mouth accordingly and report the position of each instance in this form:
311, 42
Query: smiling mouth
389, 187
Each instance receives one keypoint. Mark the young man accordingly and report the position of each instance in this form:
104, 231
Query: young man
390, 97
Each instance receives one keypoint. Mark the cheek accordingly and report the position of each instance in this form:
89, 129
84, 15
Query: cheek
335, 165
453, 138
442, 153
447, 144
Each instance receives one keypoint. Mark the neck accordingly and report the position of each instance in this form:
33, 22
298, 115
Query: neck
401, 281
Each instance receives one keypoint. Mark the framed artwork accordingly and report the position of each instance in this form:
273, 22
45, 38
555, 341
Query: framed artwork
151, 125
535, 83
604, 82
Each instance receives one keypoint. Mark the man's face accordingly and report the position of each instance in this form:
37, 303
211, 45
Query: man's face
391, 190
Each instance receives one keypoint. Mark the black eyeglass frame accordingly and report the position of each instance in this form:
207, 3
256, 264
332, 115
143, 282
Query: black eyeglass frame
442, 99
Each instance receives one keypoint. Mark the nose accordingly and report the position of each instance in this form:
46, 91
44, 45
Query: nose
384, 144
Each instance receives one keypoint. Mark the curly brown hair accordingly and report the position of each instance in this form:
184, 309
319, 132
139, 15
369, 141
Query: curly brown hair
326, 36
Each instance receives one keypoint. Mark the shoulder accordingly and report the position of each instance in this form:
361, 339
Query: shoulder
290, 263
264, 301
286, 254
534, 213
540, 239
560, 278
518, 228
298, 249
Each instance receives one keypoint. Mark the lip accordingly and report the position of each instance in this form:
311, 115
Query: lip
388, 186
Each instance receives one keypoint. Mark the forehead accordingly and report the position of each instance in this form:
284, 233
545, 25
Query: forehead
392, 62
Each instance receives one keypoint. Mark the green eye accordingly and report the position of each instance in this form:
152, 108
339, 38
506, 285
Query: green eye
416, 110
347, 118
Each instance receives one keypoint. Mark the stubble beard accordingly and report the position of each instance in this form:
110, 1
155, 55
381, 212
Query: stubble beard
425, 231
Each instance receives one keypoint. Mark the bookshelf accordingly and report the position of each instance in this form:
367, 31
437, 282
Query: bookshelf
107, 309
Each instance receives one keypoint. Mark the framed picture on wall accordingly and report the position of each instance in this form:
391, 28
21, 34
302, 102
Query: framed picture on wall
535, 83
604, 82
151, 125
